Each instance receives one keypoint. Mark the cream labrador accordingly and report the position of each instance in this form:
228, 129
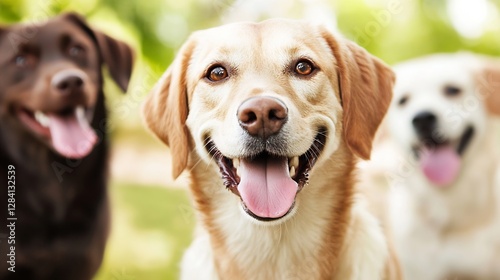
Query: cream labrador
445, 200
268, 119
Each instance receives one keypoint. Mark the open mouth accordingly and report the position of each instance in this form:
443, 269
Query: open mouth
267, 184
440, 161
68, 131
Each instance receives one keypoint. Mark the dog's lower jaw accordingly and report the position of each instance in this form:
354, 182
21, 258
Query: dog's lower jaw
312, 244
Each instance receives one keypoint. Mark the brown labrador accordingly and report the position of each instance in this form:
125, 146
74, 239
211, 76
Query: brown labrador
54, 146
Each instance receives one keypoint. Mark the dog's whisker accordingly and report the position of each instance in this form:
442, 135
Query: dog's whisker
212, 158
200, 160
197, 162
194, 151
308, 156
315, 151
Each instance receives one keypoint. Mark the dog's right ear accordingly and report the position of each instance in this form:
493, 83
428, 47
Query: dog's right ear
166, 109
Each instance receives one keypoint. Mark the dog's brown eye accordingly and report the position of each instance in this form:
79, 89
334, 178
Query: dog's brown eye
217, 73
304, 68
452, 90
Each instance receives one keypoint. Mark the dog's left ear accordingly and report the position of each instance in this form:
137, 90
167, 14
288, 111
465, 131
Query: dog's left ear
117, 55
489, 83
365, 84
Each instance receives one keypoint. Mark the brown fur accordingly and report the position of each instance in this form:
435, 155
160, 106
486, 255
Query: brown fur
62, 204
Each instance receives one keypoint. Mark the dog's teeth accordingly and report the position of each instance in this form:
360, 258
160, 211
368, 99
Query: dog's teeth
292, 171
80, 112
236, 163
238, 172
42, 119
294, 162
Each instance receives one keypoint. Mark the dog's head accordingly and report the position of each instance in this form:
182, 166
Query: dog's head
51, 80
268, 102
440, 109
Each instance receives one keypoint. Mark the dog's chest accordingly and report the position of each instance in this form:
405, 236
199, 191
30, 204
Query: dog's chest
287, 251
288, 259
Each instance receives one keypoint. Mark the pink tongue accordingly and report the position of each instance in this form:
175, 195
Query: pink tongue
72, 137
440, 165
266, 187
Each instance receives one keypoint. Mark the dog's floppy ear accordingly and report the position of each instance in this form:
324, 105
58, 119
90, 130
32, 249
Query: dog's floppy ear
365, 84
489, 83
166, 109
117, 55
119, 58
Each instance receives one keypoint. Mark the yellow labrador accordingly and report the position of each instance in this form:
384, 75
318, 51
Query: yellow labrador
268, 119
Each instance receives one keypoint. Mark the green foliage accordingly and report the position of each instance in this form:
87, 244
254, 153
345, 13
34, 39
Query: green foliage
151, 227
415, 28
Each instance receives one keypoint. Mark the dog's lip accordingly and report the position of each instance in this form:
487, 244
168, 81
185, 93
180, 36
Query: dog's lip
264, 219
460, 144
299, 167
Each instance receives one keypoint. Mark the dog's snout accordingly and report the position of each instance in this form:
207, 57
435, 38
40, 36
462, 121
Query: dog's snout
424, 123
68, 82
262, 116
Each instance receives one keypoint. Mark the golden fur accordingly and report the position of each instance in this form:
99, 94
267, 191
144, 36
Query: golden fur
330, 235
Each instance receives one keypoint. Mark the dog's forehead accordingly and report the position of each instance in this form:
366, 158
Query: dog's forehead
271, 39
273, 29
36, 33
430, 74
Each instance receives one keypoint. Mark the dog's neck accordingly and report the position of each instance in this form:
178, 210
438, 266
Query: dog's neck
304, 246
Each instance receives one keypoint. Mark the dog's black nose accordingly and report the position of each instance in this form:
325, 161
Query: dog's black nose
424, 124
69, 84
262, 116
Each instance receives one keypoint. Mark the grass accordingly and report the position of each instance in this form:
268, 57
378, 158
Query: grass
151, 228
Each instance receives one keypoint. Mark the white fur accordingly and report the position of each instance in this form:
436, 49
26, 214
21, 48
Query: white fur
452, 230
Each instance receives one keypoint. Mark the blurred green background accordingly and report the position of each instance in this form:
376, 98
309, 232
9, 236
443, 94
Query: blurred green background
153, 219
